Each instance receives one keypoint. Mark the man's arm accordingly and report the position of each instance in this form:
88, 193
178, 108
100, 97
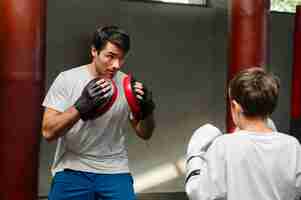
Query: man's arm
55, 124
145, 125
144, 128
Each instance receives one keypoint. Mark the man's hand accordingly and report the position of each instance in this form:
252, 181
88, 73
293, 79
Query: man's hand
96, 93
144, 97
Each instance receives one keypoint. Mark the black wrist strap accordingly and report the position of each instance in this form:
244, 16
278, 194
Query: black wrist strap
193, 173
191, 157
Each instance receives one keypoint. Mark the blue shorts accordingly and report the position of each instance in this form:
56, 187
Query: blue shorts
77, 185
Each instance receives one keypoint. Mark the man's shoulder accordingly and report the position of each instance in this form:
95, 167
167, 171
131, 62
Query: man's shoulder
75, 70
75, 74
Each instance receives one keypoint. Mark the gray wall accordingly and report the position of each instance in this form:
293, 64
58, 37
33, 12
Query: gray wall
281, 55
181, 53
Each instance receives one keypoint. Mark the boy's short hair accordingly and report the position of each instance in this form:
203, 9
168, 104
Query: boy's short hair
256, 91
111, 34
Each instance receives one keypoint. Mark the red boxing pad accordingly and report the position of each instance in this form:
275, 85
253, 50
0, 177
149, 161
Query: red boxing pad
104, 108
131, 97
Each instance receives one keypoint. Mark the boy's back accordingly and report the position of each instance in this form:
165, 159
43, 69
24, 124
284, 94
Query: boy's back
259, 166
255, 163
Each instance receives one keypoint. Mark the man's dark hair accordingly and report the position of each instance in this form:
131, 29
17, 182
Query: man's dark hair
256, 91
111, 34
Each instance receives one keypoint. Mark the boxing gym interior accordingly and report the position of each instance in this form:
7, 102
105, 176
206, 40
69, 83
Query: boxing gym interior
185, 52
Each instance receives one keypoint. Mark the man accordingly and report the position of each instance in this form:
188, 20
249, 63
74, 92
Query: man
91, 159
253, 163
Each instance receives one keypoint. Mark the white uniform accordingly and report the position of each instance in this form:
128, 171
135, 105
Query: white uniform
245, 165
98, 145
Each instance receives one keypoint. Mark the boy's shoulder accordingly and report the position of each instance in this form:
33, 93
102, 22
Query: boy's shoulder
241, 136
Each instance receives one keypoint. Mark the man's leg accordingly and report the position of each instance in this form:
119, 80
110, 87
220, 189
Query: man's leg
114, 187
71, 185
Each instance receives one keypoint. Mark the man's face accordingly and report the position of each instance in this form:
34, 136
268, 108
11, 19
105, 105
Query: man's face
108, 61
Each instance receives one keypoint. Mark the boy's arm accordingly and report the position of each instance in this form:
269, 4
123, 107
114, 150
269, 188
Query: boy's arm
202, 183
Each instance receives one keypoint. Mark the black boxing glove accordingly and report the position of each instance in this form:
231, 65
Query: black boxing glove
93, 96
145, 101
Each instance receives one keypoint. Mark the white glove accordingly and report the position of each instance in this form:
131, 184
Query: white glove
201, 139
197, 147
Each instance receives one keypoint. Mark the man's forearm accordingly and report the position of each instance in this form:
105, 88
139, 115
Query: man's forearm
56, 125
145, 127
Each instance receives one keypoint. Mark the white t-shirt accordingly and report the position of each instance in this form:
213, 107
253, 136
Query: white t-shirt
249, 166
98, 145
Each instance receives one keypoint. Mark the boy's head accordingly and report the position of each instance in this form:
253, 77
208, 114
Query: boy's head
255, 91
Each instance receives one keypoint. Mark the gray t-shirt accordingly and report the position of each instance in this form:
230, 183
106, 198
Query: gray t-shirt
247, 165
98, 145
